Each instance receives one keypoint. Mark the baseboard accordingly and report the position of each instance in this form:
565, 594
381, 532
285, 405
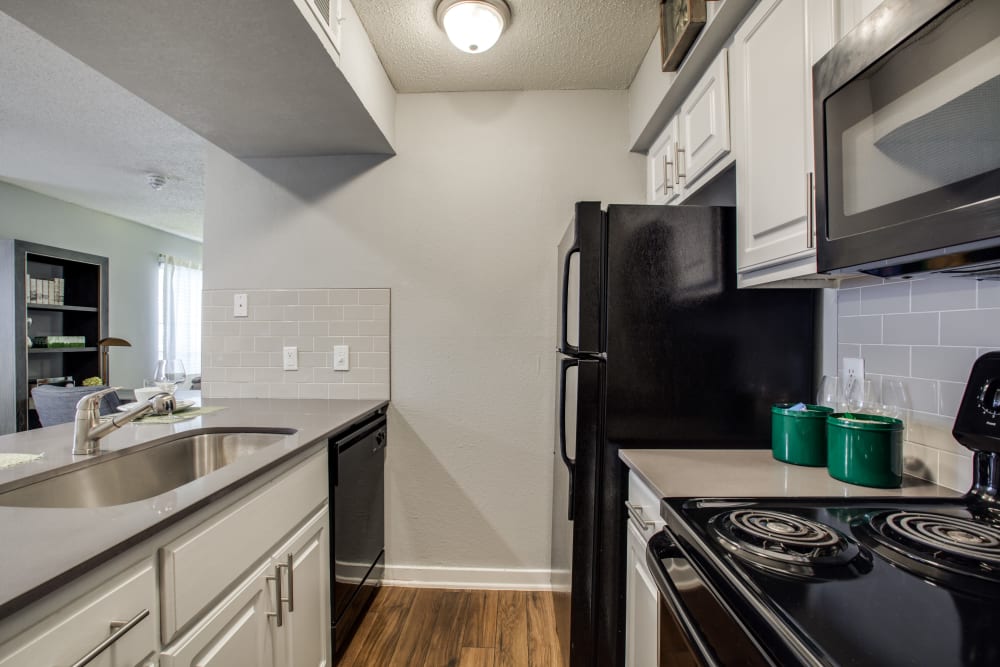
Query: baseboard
481, 578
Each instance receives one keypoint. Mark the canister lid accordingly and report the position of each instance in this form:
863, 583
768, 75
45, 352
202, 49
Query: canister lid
864, 422
806, 412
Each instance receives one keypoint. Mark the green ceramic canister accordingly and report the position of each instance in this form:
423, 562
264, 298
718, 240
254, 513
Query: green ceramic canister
799, 436
865, 449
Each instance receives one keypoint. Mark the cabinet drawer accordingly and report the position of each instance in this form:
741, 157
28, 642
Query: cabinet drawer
72, 632
200, 565
644, 510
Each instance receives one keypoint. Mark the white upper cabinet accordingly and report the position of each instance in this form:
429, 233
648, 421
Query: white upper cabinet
772, 56
704, 121
695, 145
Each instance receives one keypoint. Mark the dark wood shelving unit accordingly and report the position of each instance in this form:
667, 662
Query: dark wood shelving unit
85, 314
72, 309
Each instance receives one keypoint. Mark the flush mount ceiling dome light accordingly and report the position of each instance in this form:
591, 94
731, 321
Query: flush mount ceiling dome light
473, 25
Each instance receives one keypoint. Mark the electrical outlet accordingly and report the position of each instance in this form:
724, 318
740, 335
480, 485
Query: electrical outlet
290, 358
239, 305
341, 357
852, 371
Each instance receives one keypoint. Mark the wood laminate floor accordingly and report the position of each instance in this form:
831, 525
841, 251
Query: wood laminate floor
427, 627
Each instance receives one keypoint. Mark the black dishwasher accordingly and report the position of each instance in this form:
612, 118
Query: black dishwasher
357, 463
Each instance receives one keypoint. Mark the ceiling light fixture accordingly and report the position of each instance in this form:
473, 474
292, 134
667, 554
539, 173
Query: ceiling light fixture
473, 25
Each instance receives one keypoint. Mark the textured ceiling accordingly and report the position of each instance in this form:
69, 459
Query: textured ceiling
70, 133
550, 45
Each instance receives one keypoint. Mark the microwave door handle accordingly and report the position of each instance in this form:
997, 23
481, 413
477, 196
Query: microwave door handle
570, 464
564, 336
659, 547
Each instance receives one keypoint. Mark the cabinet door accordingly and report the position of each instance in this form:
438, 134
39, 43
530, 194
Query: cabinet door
305, 637
642, 605
68, 635
772, 100
237, 632
704, 123
664, 185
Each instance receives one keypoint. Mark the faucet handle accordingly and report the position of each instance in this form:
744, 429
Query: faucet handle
93, 400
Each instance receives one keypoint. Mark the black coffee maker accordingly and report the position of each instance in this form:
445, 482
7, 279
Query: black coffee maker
977, 427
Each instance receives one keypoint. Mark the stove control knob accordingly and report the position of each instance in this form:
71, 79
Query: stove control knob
989, 397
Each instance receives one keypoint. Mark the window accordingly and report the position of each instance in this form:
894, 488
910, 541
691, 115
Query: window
179, 312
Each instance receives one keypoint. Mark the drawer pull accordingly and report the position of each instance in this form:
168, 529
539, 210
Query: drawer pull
118, 630
291, 583
279, 611
635, 511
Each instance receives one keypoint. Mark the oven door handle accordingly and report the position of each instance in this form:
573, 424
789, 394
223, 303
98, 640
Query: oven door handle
660, 547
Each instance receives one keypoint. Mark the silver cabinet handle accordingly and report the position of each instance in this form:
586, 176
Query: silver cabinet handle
667, 185
280, 599
678, 151
118, 630
810, 215
635, 511
291, 583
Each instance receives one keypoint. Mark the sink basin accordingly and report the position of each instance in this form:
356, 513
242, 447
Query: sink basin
141, 472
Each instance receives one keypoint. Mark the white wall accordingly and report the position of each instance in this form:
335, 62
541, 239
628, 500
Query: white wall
462, 225
131, 250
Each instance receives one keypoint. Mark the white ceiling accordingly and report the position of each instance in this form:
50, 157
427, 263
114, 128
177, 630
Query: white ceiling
550, 45
69, 132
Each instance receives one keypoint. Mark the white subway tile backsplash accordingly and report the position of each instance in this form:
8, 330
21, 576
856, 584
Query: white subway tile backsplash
849, 302
979, 328
936, 294
860, 329
886, 359
989, 294
951, 397
943, 363
927, 331
887, 298
242, 356
910, 329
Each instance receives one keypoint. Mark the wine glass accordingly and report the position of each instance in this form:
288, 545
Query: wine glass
829, 393
895, 400
169, 373
860, 396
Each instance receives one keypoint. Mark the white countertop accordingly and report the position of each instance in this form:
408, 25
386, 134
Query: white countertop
728, 473
43, 548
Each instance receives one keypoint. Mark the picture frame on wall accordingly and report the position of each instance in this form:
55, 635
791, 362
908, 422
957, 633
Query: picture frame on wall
680, 23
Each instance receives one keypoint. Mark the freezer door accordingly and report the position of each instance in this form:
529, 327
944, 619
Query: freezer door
581, 282
575, 459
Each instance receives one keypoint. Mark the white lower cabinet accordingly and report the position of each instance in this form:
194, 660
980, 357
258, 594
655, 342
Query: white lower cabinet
82, 625
304, 640
237, 632
247, 628
247, 584
642, 598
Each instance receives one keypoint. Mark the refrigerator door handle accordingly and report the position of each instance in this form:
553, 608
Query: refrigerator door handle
564, 345
564, 367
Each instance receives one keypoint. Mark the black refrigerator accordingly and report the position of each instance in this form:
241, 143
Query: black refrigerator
657, 348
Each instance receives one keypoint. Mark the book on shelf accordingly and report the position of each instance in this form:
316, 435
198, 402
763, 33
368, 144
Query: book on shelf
58, 341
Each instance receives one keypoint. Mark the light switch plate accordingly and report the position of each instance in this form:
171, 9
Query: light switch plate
290, 358
341, 357
240, 305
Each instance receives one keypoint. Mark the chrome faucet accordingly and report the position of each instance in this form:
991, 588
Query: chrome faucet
88, 429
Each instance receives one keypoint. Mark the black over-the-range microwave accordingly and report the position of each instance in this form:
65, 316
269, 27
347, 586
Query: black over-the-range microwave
907, 142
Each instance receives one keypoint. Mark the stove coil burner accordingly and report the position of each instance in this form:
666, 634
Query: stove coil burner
784, 542
938, 546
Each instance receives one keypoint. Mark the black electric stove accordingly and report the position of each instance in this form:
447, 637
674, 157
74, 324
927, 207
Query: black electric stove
834, 581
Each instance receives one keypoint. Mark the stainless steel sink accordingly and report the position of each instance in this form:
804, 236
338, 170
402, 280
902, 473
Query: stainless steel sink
140, 472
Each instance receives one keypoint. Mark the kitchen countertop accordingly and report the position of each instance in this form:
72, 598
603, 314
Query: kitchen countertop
728, 473
45, 548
